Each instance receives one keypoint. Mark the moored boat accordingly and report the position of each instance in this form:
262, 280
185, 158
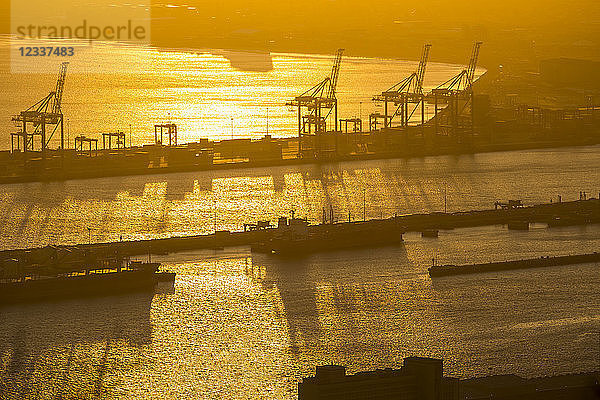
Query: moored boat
136, 276
295, 237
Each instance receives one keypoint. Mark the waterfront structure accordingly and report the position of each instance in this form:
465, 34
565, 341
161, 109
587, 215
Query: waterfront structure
420, 379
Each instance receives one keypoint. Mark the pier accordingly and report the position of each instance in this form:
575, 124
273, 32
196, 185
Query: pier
578, 212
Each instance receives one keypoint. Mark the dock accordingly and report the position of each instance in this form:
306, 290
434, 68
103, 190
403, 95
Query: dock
578, 212
68, 164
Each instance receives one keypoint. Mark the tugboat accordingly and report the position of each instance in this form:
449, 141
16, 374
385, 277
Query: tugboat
33, 283
295, 237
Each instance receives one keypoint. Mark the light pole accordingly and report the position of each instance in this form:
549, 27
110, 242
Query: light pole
215, 215
360, 110
364, 204
89, 235
445, 198
232, 128
267, 121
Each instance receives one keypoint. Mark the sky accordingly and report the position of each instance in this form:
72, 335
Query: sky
382, 28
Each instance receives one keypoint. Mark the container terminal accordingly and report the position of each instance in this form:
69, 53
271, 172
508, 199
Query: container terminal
465, 120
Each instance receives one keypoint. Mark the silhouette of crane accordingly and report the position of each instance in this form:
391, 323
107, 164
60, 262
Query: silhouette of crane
457, 94
407, 91
463, 81
45, 112
319, 101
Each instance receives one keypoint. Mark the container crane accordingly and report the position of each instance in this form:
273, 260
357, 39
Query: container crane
457, 94
60, 85
45, 112
320, 101
406, 92
463, 81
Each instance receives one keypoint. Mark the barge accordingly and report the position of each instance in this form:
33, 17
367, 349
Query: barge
451, 269
134, 277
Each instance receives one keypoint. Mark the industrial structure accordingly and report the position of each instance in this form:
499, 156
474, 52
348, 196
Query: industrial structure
452, 100
455, 118
423, 378
169, 129
403, 95
119, 140
82, 140
419, 378
41, 120
452, 119
316, 105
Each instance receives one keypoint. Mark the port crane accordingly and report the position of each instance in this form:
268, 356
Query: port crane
463, 81
44, 118
457, 94
404, 93
317, 103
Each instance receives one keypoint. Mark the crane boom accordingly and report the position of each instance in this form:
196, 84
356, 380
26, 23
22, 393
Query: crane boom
60, 84
319, 102
421, 69
335, 72
473, 62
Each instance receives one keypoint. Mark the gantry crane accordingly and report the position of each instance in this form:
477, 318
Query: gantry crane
457, 94
319, 101
45, 112
406, 92
463, 81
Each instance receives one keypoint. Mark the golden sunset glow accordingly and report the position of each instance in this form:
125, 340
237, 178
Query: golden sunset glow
326, 199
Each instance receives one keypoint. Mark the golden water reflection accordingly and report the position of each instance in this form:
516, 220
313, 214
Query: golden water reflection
247, 326
198, 202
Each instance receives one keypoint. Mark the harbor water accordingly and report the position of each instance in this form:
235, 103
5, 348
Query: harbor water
242, 326
137, 207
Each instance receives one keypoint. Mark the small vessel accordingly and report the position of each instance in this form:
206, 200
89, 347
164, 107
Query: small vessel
517, 225
134, 276
430, 233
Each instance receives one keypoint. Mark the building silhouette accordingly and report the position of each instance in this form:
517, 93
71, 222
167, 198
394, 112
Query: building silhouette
419, 379
422, 379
